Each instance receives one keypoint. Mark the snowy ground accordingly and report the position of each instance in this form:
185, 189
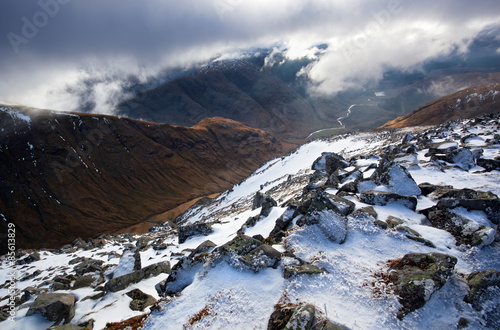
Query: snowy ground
223, 297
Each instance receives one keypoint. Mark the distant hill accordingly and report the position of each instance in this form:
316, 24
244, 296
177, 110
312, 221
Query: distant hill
467, 103
69, 175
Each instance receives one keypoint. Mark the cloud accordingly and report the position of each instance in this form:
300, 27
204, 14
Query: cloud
61, 54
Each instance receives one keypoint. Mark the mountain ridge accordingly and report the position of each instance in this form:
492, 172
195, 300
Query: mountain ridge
69, 175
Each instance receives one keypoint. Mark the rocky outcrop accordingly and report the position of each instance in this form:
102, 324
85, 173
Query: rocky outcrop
465, 231
56, 307
417, 276
122, 282
190, 230
374, 197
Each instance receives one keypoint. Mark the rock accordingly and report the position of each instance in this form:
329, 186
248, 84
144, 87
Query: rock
267, 204
315, 200
187, 231
417, 276
56, 286
240, 245
89, 325
381, 224
281, 225
484, 292
331, 223
489, 164
204, 247
181, 276
85, 281
32, 257
119, 283
88, 266
463, 158
428, 188
489, 206
421, 240
304, 268
79, 243
302, 318
142, 243
396, 177
393, 222
329, 162
140, 300
374, 197
56, 307
349, 188
441, 148
465, 231
280, 317
345, 206
367, 210
261, 257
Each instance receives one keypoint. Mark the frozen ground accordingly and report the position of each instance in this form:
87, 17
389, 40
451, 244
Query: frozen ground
224, 297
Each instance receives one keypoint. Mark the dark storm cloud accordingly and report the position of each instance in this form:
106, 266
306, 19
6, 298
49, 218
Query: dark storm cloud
48, 45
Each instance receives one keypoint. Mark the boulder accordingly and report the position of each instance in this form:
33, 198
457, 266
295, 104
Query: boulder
240, 245
484, 290
462, 157
491, 207
465, 231
119, 283
196, 229
489, 164
88, 266
56, 307
304, 268
329, 162
261, 257
345, 206
396, 177
204, 247
92, 281
140, 300
374, 197
417, 276
181, 276
331, 223
281, 225
302, 318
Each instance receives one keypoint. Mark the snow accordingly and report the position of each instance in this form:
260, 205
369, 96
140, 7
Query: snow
223, 297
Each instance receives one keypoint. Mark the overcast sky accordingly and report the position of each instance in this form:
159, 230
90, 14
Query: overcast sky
49, 47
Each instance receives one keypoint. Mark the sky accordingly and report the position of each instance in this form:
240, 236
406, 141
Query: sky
53, 53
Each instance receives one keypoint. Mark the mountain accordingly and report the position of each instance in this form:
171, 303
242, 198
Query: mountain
69, 175
240, 90
371, 230
467, 103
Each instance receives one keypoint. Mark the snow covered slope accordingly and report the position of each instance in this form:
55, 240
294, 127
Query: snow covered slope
331, 223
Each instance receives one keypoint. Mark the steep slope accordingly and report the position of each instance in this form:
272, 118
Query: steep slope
300, 240
238, 90
467, 103
69, 175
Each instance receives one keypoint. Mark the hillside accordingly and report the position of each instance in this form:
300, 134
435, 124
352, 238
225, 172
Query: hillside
467, 103
371, 230
69, 175
239, 90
